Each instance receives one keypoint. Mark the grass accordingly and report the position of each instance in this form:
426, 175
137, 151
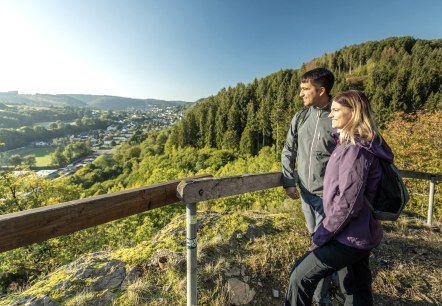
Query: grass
408, 264
42, 155
259, 249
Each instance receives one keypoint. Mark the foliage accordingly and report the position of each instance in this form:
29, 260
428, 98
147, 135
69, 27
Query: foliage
70, 153
256, 247
41, 155
239, 131
417, 144
16, 116
27, 190
19, 137
398, 74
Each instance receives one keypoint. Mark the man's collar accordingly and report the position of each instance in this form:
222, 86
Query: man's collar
326, 106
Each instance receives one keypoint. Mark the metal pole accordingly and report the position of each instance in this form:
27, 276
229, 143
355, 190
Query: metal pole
191, 253
431, 200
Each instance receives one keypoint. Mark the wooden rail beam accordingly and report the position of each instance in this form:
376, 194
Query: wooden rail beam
420, 175
193, 191
39, 224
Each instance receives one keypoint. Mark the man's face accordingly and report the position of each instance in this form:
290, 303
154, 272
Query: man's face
309, 94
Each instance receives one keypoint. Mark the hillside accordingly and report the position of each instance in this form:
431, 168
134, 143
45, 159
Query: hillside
243, 258
240, 130
118, 103
398, 74
83, 100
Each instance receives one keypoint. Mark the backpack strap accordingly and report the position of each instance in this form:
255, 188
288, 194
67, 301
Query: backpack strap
300, 119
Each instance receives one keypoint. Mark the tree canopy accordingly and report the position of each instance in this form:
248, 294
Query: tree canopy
397, 74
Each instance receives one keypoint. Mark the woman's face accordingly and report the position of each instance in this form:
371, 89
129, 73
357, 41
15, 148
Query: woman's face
340, 115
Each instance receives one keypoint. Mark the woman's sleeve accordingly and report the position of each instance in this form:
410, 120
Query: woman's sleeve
348, 200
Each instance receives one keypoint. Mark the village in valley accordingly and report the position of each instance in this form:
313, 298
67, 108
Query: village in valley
124, 126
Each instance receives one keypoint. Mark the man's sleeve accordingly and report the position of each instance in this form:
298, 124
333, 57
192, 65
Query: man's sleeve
288, 156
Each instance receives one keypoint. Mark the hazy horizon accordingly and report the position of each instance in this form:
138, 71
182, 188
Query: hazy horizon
184, 51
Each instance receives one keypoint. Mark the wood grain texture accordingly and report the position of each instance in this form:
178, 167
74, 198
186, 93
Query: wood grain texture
35, 225
192, 191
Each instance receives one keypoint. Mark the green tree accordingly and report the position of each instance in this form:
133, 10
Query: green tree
416, 143
30, 160
15, 160
58, 158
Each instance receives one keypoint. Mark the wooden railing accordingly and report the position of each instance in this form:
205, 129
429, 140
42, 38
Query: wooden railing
39, 224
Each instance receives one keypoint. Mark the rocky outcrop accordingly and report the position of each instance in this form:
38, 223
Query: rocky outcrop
155, 271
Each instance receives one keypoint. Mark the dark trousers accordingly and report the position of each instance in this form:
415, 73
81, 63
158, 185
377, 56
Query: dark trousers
352, 266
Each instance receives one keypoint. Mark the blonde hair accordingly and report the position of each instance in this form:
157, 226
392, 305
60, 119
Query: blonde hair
361, 123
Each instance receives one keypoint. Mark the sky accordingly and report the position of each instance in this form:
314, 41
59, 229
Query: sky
185, 49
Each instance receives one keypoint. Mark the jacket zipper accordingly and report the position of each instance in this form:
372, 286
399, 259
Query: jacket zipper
311, 150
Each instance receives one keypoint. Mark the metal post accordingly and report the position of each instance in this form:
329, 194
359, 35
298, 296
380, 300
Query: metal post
191, 253
431, 200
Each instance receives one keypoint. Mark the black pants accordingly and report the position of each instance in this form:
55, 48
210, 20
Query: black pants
352, 266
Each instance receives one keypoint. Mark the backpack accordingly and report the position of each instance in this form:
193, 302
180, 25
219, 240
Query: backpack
391, 194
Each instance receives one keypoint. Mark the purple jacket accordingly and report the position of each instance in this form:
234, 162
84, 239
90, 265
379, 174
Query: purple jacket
352, 174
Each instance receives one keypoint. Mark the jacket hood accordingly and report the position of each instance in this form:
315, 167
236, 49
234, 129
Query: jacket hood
377, 147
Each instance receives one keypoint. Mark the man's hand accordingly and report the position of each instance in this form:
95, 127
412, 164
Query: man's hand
292, 193
313, 247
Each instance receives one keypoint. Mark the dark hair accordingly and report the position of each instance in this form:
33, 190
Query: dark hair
320, 77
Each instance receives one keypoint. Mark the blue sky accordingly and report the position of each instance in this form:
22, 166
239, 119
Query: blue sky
185, 49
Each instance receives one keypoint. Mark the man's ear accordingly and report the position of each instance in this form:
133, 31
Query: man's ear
322, 91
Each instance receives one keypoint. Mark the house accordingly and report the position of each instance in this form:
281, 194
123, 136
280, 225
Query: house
41, 144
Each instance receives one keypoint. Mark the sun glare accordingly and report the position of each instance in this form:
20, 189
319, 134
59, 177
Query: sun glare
33, 61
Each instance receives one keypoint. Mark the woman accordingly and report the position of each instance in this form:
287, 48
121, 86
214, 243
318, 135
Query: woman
349, 231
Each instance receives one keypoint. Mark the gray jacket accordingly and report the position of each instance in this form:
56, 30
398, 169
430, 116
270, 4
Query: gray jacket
311, 154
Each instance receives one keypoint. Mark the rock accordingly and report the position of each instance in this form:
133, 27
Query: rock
233, 272
113, 274
253, 232
105, 299
62, 285
243, 270
131, 277
240, 292
42, 301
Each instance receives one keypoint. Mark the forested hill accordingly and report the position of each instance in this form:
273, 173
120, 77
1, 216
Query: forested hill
83, 100
397, 74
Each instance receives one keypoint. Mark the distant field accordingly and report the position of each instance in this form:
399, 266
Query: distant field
42, 155
44, 124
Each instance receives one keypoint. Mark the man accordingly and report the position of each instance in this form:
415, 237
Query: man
309, 144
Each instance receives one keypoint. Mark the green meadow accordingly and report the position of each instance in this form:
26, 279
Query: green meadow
42, 155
